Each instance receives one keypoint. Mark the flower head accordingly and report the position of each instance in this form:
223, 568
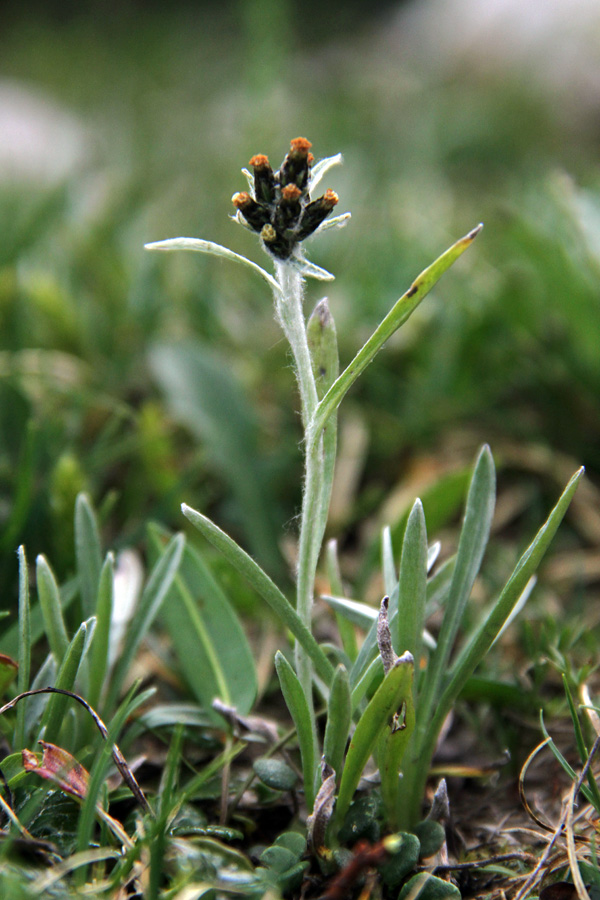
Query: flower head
279, 207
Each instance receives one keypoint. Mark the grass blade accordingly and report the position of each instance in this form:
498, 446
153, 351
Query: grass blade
49, 598
388, 566
88, 553
54, 713
396, 317
24, 658
482, 640
157, 588
299, 710
345, 629
339, 717
472, 543
392, 746
264, 586
412, 585
100, 647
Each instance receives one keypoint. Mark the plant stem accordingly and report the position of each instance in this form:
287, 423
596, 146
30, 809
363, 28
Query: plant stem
288, 304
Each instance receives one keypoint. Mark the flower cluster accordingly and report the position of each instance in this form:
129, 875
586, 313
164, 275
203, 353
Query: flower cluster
279, 207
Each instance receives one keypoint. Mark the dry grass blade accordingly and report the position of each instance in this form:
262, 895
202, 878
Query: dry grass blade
528, 809
571, 850
565, 823
590, 709
119, 759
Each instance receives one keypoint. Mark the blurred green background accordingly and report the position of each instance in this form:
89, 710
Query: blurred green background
152, 379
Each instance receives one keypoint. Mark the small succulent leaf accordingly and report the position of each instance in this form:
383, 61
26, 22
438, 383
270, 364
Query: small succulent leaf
392, 694
429, 887
339, 718
431, 835
363, 820
403, 860
278, 858
264, 586
297, 705
209, 247
293, 841
275, 773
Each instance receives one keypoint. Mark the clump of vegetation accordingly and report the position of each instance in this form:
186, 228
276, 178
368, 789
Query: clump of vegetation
367, 709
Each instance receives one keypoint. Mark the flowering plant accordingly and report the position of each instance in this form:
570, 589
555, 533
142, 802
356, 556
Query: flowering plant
393, 710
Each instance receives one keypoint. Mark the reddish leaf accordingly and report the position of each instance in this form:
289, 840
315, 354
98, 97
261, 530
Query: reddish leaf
60, 767
8, 670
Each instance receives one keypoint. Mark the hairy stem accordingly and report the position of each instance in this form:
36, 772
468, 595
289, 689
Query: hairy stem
290, 314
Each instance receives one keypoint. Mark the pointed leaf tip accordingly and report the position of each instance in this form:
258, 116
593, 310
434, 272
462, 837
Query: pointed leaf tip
475, 231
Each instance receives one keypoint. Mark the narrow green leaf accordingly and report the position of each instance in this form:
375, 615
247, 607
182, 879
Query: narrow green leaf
479, 644
564, 763
9, 640
392, 746
88, 553
322, 344
100, 646
49, 598
386, 702
412, 587
54, 713
388, 566
373, 670
201, 246
354, 611
299, 710
261, 582
399, 313
103, 761
471, 547
346, 631
207, 636
339, 717
24, 657
157, 588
